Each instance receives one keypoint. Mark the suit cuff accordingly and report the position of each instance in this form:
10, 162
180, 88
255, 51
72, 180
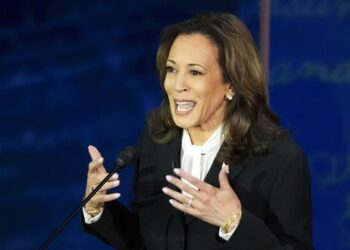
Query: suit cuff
89, 219
227, 236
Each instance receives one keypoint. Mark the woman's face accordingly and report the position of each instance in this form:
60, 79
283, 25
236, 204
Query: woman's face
194, 83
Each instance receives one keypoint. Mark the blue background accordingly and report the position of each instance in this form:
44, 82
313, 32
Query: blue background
74, 73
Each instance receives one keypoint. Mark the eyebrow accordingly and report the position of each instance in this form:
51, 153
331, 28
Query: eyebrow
190, 64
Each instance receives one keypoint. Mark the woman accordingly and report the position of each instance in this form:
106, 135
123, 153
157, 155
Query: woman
216, 171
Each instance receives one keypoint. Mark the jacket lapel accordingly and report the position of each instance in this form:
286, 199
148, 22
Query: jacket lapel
169, 159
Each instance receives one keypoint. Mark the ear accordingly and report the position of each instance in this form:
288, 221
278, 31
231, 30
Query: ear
229, 90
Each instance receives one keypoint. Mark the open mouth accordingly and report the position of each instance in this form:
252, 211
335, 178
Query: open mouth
184, 106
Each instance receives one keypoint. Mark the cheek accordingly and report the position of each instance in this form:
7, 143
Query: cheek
167, 86
213, 100
168, 90
213, 93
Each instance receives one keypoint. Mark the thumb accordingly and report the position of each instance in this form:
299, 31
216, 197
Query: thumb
223, 180
94, 153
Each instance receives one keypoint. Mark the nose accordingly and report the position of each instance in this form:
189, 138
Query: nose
180, 84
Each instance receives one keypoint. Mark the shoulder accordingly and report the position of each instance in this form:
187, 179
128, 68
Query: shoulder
283, 155
284, 146
148, 143
287, 156
285, 165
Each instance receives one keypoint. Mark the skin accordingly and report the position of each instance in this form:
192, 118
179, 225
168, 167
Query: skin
210, 204
193, 75
95, 175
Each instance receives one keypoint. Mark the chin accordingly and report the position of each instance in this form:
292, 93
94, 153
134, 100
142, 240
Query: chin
183, 122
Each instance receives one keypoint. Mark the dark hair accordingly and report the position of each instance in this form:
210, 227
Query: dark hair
249, 124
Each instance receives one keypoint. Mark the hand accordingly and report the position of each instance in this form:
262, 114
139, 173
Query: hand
95, 175
210, 204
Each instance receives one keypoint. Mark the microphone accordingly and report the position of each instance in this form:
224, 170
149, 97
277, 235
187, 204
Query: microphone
126, 157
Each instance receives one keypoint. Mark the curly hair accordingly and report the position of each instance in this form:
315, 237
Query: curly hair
249, 123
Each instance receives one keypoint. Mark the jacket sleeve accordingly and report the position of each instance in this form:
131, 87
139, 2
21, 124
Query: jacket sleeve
288, 222
117, 227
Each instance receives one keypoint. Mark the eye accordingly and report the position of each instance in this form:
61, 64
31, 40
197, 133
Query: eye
195, 73
170, 69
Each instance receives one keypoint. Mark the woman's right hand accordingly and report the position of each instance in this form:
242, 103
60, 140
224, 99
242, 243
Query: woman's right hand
95, 175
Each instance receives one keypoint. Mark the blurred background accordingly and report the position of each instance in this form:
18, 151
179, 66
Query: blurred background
75, 73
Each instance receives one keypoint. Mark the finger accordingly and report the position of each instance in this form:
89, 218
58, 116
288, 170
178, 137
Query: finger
96, 159
193, 180
176, 195
105, 187
94, 164
102, 198
94, 153
99, 178
109, 185
223, 180
184, 186
95, 180
184, 208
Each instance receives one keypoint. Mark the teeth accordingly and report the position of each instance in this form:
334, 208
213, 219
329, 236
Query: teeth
184, 106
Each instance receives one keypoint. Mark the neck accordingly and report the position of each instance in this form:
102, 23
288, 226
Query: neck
199, 135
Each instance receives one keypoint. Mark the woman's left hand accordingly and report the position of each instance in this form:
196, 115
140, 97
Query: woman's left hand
210, 204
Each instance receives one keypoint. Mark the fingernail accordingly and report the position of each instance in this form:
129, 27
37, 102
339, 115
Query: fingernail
177, 171
100, 160
165, 190
171, 201
226, 167
116, 195
168, 177
116, 183
115, 175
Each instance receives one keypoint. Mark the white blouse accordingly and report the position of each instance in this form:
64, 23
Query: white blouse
197, 160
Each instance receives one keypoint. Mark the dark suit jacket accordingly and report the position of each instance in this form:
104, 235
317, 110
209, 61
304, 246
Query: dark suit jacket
274, 191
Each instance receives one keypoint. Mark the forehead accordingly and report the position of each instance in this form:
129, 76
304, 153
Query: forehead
193, 48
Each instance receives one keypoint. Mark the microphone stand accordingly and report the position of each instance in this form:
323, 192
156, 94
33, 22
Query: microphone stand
77, 210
